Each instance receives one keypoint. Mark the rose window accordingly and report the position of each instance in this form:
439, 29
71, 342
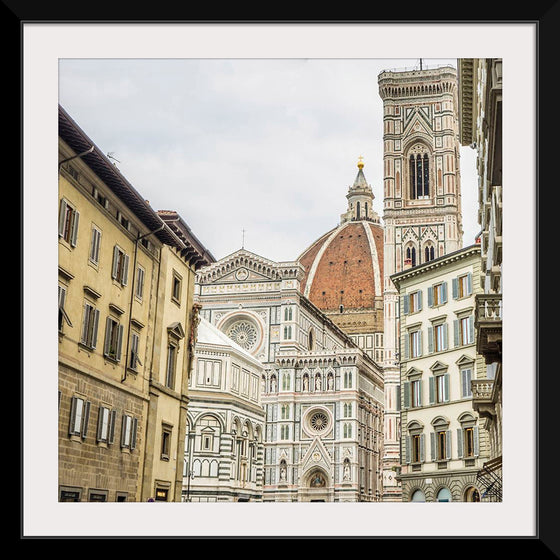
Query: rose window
244, 334
319, 421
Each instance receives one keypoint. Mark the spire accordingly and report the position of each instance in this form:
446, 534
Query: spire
360, 198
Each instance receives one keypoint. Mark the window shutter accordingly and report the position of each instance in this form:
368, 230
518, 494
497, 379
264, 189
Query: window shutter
406, 304
456, 333
419, 300
448, 444
99, 423
406, 346
420, 345
406, 395
455, 288
115, 261
407, 449
459, 442
422, 448
133, 434
420, 387
73, 405
444, 292
432, 390
94, 329
85, 323
108, 323
475, 441
85, 419
398, 398
112, 423
433, 446
123, 430
471, 329
430, 339
446, 387
62, 217
430, 296
469, 284
120, 330
126, 260
445, 337
74, 235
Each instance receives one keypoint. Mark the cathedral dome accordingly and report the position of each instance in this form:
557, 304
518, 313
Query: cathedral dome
344, 267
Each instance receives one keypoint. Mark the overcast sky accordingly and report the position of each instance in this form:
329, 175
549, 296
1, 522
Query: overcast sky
269, 146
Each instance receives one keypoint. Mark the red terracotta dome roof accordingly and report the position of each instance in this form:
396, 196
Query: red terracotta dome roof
345, 267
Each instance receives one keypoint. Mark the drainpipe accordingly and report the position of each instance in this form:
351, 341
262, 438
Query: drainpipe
139, 238
74, 157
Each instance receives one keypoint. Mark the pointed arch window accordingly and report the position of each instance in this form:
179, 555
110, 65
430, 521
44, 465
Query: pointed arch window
411, 255
419, 171
429, 253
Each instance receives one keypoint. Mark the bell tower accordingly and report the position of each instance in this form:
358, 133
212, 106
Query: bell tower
422, 206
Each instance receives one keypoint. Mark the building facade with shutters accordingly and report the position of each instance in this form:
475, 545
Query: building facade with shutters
224, 445
110, 246
480, 89
443, 440
322, 394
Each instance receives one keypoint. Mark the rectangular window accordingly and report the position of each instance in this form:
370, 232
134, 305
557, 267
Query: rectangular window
106, 425
134, 349
129, 429
416, 392
465, 330
415, 344
176, 288
68, 223
440, 337
171, 363
139, 290
415, 302
284, 431
120, 266
113, 339
95, 245
79, 417
165, 443
468, 442
437, 294
415, 441
89, 326
206, 442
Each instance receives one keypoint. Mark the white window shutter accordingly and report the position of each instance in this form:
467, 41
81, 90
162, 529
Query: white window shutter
62, 217
74, 235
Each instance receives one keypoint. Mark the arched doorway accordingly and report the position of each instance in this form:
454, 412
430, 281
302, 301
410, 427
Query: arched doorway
316, 487
472, 495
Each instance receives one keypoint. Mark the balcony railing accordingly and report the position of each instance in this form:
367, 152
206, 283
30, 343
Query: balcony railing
488, 323
482, 390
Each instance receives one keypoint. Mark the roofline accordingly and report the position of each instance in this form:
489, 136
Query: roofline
436, 263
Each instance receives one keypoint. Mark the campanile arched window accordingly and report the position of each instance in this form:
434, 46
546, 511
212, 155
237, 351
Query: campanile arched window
419, 172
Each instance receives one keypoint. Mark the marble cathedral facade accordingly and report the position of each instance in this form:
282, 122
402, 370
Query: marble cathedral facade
322, 395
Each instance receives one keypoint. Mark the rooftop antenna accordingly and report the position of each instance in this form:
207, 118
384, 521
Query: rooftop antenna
420, 64
110, 156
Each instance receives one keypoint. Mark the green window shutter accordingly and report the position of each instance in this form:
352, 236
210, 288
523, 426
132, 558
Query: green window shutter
448, 444
420, 387
405, 305
406, 346
420, 300
445, 337
471, 329
469, 284
430, 296
420, 345
455, 288
407, 449
398, 398
422, 448
456, 333
433, 446
430, 339
459, 442
446, 387
432, 390
444, 292
406, 395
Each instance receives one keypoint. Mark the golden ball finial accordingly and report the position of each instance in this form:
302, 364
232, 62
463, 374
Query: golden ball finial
360, 162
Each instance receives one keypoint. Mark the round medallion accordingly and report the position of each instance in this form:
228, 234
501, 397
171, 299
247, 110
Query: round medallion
244, 334
242, 274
